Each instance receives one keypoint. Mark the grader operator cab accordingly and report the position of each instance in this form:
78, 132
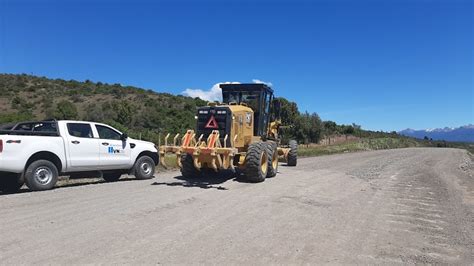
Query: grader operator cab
242, 133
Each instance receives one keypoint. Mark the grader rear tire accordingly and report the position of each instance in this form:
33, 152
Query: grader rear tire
272, 149
293, 153
256, 162
188, 170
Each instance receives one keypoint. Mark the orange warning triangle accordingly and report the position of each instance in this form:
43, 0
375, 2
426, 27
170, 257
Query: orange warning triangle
212, 123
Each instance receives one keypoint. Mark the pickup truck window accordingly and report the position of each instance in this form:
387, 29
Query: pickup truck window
45, 127
80, 130
36, 126
108, 133
24, 127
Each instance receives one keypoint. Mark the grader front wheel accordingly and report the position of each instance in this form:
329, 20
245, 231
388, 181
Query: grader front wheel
188, 170
272, 149
256, 162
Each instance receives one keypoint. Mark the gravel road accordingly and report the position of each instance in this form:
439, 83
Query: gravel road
395, 206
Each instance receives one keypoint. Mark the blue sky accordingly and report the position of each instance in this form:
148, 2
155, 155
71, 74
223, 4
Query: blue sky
386, 65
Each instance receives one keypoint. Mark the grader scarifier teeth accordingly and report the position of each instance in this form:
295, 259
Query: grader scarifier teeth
209, 152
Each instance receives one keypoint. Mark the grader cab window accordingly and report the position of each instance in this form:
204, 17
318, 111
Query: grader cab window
256, 96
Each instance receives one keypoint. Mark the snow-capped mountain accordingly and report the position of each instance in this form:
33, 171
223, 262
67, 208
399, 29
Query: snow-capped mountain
461, 134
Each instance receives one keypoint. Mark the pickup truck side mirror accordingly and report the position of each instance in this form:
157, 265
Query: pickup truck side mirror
124, 137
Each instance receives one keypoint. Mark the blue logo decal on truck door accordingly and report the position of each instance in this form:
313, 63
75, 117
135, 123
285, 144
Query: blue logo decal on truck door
111, 150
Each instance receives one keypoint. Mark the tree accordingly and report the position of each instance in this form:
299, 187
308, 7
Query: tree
329, 128
349, 130
290, 117
124, 113
308, 128
65, 110
316, 128
23, 107
289, 111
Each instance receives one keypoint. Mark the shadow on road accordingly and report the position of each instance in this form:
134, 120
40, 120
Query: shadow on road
209, 180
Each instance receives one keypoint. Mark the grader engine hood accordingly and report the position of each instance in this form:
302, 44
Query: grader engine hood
211, 118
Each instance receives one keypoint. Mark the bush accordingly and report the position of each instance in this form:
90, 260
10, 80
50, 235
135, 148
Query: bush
65, 110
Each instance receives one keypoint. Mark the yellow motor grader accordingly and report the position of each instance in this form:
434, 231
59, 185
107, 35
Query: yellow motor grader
241, 133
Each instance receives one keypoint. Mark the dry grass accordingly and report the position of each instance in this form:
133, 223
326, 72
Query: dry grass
360, 145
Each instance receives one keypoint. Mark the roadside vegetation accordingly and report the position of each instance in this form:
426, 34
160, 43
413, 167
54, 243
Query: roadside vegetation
141, 113
148, 115
365, 144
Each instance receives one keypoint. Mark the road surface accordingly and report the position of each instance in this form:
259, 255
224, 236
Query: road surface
395, 206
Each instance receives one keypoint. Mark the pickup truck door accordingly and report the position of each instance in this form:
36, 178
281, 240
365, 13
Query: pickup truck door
115, 153
83, 148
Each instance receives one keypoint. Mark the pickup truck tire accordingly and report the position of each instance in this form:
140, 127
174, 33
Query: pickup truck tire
10, 183
144, 168
41, 175
111, 177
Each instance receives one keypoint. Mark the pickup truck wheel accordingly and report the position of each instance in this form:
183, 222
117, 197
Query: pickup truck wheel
41, 175
10, 183
111, 177
144, 168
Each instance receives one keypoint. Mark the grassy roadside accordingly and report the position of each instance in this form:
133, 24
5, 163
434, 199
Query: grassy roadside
170, 161
359, 145
367, 144
461, 145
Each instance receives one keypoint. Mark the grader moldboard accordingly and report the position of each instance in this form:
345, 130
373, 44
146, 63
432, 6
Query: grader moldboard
241, 133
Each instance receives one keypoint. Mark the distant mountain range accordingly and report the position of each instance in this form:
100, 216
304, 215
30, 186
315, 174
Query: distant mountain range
459, 134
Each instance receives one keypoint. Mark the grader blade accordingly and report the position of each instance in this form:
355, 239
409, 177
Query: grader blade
210, 152
169, 149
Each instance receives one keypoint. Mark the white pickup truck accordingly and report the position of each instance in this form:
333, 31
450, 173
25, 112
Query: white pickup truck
36, 153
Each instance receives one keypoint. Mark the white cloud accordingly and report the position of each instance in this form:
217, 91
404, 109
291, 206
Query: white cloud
269, 84
213, 94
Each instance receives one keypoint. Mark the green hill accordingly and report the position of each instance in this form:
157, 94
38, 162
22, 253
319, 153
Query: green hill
141, 112
147, 114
